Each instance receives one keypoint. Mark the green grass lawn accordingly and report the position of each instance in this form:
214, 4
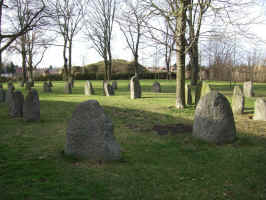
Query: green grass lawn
32, 166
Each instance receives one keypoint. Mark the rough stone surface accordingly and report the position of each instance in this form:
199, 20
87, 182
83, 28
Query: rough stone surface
248, 89
31, 106
88, 89
156, 87
90, 134
68, 88
16, 104
114, 85
10, 84
214, 120
108, 89
46, 87
260, 109
135, 88
238, 101
2, 95
28, 85
9, 94
205, 89
188, 94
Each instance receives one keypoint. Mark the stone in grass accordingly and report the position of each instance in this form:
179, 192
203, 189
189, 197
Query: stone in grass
31, 106
156, 87
88, 89
2, 95
22, 83
10, 84
68, 88
108, 89
16, 104
214, 120
248, 89
46, 87
135, 88
90, 134
114, 85
188, 95
260, 109
9, 94
28, 85
238, 101
205, 89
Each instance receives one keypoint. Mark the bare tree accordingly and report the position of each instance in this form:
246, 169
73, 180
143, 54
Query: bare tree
99, 27
131, 22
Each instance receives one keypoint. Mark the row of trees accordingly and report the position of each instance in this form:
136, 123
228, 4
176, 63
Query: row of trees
174, 25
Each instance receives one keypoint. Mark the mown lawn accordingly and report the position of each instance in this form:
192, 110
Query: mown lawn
174, 166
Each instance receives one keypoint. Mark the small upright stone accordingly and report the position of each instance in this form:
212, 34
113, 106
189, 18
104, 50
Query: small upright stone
9, 94
31, 82
2, 95
114, 85
214, 120
135, 88
22, 83
188, 94
108, 89
10, 84
90, 134
31, 106
88, 89
28, 85
46, 87
248, 89
205, 89
68, 87
238, 101
260, 109
16, 104
156, 87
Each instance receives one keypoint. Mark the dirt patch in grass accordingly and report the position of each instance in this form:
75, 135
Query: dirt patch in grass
172, 129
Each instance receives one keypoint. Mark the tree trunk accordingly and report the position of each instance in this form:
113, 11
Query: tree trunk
69, 59
65, 60
24, 57
136, 64
1, 8
194, 57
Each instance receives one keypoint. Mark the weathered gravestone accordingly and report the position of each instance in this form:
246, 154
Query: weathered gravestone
9, 94
248, 89
10, 84
238, 101
214, 120
31, 82
90, 134
88, 89
114, 85
188, 95
68, 87
2, 95
46, 87
28, 85
108, 89
135, 88
205, 89
22, 83
156, 87
31, 106
260, 109
16, 104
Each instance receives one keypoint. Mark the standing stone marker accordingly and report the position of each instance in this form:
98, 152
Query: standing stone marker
9, 94
68, 88
248, 89
238, 101
205, 89
46, 87
214, 120
31, 106
10, 84
88, 89
114, 85
16, 104
108, 89
260, 109
2, 95
28, 85
90, 134
188, 95
135, 88
156, 87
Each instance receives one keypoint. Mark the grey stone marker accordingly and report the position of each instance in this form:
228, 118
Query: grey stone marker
9, 94
10, 84
28, 85
46, 87
16, 104
205, 89
114, 85
88, 89
2, 95
156, 87
260, 109
108, 89
188, 94
135, 88
238, 101
68, 88
90, 134
248, 89
214, 120
31, 106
